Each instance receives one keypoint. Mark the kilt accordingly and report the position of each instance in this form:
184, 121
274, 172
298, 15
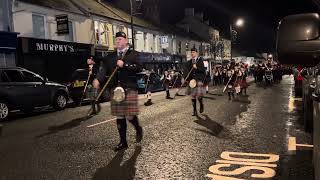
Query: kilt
91, 92
198, 91
243, 84
128, 107
230, 89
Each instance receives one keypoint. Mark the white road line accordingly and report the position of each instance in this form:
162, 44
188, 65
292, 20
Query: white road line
103, 122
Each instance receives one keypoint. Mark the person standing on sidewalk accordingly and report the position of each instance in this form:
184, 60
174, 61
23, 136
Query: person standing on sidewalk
125, 82
197, 68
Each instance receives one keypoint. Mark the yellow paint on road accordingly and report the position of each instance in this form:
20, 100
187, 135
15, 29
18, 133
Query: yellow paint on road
270, 158
246, 163
292, 144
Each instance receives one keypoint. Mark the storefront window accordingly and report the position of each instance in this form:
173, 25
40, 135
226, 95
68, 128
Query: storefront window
101, 33
38, 23
145, 49
179, 47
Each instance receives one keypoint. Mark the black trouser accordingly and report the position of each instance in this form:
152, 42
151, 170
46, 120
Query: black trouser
95, 106
122, 127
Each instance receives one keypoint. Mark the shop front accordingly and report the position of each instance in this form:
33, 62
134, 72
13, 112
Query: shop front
161, 62
55, 60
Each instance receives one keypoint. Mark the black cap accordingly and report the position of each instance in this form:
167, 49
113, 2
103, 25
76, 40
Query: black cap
121, 34
194, 49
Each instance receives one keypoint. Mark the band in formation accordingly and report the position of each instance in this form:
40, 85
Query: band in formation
117, 74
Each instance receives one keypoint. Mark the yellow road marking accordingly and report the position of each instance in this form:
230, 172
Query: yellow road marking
246, 163
292, 144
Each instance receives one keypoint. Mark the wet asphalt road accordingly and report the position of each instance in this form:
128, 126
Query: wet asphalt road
64, 145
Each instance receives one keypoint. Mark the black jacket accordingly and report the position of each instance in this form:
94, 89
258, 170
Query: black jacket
95, 70
125, 77
198, 74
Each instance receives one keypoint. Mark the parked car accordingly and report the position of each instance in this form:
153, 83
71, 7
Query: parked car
24, 90
154, 82
77, 84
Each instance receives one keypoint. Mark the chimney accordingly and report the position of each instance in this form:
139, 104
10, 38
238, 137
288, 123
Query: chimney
200, 16
189, 12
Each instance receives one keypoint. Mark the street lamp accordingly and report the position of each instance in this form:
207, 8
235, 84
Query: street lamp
131, 23
239, 23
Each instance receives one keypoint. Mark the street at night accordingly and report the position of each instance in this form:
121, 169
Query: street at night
159, 89
66, 145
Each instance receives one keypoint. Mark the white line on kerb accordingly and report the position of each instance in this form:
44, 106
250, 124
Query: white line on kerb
103, 122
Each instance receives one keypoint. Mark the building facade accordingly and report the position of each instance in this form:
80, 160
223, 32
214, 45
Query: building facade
8, 38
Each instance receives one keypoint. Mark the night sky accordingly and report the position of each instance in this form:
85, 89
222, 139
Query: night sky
261, 16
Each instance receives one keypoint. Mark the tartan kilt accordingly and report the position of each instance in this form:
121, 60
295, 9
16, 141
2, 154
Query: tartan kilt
243, 84
91, 92
198, 91
230, 89
128, 107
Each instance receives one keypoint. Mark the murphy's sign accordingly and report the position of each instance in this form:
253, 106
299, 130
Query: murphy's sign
54, 47
42, 46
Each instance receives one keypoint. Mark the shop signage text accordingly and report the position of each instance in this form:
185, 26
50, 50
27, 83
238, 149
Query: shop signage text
54, 47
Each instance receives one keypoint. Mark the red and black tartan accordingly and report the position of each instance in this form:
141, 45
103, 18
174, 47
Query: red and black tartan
198, 91
244, 84
128, 107
92, 92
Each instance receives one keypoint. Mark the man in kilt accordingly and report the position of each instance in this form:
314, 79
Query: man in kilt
92, 92
166, 79
231, 75
148, 89
126, 59
197, 73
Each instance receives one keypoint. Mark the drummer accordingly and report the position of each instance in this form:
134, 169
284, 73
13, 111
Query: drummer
198, 72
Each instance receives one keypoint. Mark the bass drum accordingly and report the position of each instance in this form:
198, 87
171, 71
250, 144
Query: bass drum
193, 83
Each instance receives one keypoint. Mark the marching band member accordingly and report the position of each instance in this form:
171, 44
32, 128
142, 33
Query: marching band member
166, 79
197, 68
125, 105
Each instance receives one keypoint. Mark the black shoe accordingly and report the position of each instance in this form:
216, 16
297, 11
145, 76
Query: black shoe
194, 113
139, 135
121, 146
168, 97
148, 103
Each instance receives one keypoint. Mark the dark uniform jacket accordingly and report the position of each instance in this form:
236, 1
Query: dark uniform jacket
95, 70
198, 74
125, 77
